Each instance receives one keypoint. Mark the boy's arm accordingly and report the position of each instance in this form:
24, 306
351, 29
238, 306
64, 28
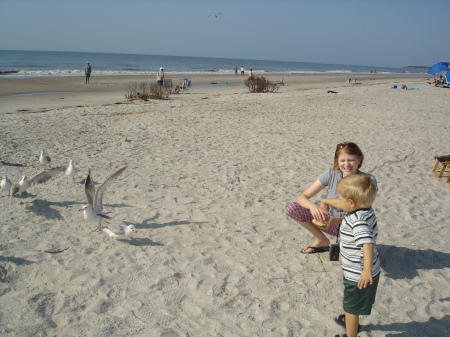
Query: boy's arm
336, 203
366, 275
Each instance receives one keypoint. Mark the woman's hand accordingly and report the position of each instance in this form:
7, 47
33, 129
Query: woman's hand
319, 214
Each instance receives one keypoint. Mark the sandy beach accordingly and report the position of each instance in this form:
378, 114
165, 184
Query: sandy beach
208, 176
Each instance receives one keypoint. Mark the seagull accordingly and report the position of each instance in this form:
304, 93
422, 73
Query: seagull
44, 160
71, 170
5, 184
121, 230
39, 178
92, 210
215, 15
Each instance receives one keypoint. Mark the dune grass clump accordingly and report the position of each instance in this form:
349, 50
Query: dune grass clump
146, 91
260, 84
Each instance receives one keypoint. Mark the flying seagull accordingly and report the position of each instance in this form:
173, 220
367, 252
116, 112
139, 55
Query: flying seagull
92, 210
215, 15
39, 178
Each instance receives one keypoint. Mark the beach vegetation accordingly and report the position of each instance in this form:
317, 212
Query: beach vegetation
145, 91
260, 84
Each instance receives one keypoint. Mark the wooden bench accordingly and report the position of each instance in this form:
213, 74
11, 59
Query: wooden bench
444, 161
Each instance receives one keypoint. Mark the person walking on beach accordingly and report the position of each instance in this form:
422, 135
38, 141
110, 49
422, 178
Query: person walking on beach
250, 73
348, 159
87, 72
160, 79
235, 70
360, 261
242, 71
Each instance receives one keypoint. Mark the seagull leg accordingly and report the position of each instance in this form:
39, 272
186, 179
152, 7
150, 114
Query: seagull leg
99, 227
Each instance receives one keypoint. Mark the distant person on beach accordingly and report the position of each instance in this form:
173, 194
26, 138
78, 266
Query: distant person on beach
242, 71
235, 70
348, 158
250, 73
160, 78
87, 72
359, 255
437, 81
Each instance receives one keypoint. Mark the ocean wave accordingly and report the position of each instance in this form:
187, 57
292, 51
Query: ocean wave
133, 72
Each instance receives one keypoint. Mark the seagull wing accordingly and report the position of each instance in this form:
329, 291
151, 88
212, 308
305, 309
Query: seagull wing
112, 234
45, 176
98, 199
119, 225
104, 216
89, 189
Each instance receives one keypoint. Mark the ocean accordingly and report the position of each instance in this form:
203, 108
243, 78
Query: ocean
25, 64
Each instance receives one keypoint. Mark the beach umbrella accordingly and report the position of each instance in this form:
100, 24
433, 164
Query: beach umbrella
437, 68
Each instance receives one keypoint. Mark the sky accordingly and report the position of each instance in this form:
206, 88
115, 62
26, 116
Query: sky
385, 33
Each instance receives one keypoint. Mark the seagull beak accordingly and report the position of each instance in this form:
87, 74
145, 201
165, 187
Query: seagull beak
134, 230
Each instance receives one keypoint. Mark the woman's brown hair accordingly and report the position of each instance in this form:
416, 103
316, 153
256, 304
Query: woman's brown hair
349, 148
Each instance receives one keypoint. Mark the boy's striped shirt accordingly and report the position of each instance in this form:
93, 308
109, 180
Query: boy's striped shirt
358, 228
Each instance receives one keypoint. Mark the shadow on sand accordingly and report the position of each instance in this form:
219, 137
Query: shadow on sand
432, 328
404, 263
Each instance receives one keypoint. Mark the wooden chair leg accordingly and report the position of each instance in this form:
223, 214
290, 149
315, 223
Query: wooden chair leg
441, 172
444, 167
435, 168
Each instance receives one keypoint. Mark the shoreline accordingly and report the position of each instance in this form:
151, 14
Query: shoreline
59, 92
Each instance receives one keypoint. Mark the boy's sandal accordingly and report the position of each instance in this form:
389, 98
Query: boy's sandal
315, 249
340, 320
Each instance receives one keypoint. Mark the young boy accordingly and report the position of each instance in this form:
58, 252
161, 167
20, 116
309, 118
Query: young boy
359, 255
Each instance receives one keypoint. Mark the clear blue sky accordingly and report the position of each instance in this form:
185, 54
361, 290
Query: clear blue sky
357, 32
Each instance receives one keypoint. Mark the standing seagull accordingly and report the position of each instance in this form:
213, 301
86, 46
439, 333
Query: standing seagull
121, 230
39, 178
5, 184
95, 198
44, 160
214, 15
71, 170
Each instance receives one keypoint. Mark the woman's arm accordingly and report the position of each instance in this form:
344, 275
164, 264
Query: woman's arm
304, 200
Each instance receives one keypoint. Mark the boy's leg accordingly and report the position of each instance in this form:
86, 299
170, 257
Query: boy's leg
351, 324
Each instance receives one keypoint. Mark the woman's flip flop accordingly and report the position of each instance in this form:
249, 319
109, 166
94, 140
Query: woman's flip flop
315, 249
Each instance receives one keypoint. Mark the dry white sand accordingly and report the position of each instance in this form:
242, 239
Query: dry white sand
209, 174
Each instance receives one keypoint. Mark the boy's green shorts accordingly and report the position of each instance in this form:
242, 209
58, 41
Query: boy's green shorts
359, 301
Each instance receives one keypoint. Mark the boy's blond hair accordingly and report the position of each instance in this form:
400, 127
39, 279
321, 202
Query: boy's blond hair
358, 187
